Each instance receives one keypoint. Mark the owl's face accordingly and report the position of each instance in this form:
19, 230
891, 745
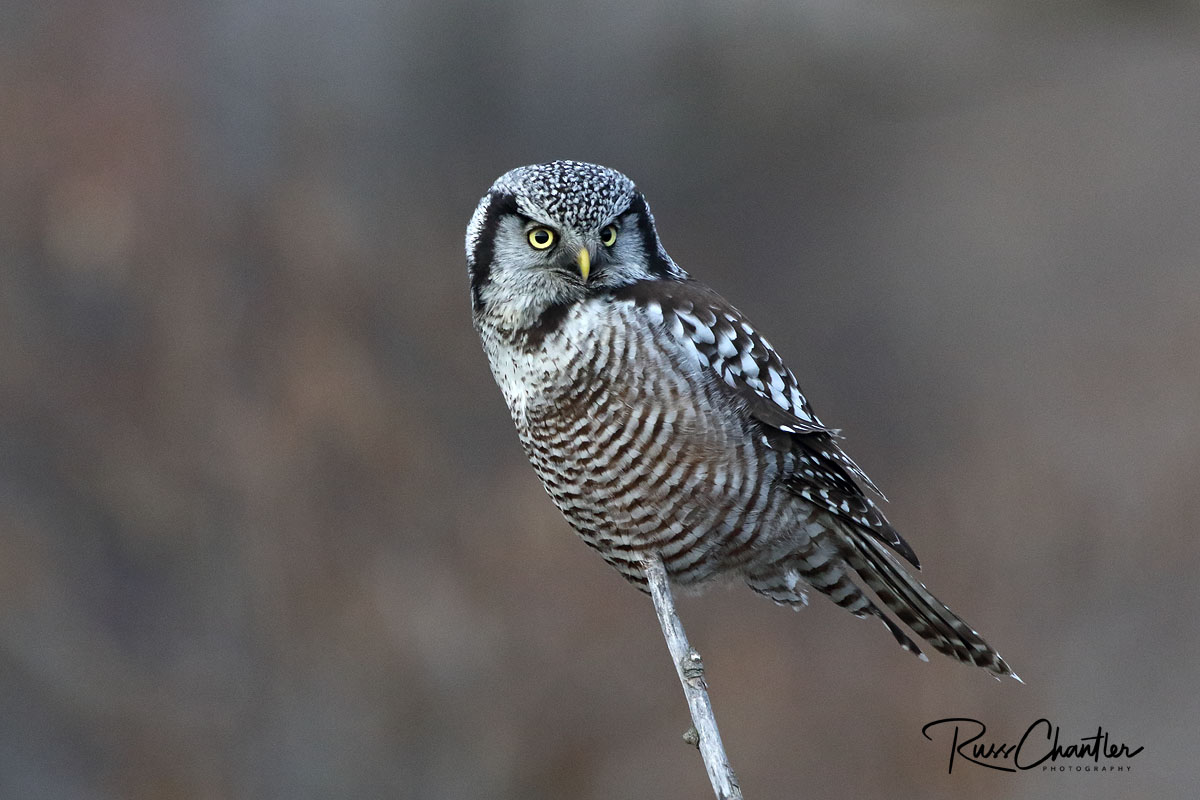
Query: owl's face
548, 235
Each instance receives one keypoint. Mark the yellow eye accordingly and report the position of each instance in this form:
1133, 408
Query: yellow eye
608, 236
541, 238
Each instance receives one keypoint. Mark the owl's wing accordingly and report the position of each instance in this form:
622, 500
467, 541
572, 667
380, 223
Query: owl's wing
722, 340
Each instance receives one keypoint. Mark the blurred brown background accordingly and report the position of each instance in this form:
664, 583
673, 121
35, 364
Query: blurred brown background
265, 528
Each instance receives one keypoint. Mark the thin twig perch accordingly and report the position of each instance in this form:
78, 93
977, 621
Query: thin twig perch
691, 675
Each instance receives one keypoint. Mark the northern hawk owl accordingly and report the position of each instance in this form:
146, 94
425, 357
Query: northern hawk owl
662, 423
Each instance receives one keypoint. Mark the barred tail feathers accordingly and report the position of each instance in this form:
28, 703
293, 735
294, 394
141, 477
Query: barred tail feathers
915, 606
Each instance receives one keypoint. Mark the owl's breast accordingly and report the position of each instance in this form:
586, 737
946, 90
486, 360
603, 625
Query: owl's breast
639, 447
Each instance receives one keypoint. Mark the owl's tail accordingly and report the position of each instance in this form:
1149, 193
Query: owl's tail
835, 564
915, 606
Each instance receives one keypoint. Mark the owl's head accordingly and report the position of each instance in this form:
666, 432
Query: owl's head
548, 235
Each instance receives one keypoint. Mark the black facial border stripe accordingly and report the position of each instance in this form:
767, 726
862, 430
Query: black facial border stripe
499, 205
658, 265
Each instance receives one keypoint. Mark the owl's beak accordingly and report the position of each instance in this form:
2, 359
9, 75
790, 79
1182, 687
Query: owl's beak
585, 263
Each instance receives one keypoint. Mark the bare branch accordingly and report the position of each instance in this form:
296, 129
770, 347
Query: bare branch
690, 670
